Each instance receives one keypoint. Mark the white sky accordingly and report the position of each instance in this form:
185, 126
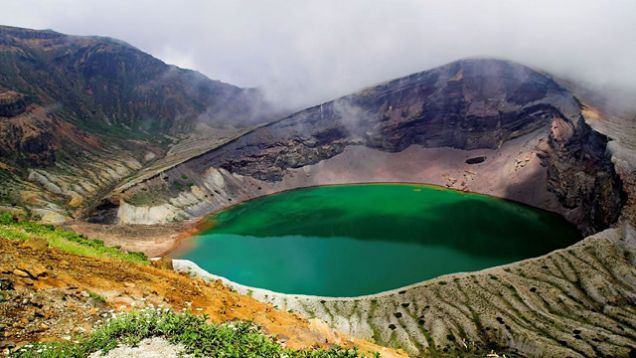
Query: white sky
302, 52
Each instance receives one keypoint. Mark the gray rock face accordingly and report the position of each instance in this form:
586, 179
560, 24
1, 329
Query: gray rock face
582, 176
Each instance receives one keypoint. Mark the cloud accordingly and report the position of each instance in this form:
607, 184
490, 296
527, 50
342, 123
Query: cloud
304, 52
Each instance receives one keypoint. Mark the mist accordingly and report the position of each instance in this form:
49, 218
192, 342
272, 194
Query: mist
305, 52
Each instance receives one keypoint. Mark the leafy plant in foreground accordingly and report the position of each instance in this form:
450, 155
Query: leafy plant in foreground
198, 337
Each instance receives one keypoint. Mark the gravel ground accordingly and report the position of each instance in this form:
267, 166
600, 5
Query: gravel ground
148, 348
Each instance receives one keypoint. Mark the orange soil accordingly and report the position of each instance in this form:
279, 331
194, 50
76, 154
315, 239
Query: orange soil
126, 285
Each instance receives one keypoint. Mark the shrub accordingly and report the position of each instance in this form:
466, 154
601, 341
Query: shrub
7, 218
199, 338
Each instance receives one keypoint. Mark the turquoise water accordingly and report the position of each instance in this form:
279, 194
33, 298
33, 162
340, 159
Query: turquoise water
350, 240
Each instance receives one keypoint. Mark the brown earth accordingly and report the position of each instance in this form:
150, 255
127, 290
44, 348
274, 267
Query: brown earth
55, 294
152, 240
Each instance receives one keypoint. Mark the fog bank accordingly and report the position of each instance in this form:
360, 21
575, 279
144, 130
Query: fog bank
303, 52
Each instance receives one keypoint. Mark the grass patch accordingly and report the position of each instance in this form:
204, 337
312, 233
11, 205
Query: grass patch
199, 338
64, 240
97, 297
178, 185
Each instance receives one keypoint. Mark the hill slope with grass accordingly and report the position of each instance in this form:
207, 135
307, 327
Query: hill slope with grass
57, 286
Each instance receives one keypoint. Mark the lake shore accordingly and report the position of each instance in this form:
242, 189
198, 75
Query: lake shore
152, 240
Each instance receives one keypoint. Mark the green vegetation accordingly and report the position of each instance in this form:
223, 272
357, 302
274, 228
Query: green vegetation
97, 297
199, 338
147, 197
65, 240
177, 186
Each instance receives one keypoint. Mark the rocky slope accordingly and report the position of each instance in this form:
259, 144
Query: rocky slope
97, 109
473, 106
107, 84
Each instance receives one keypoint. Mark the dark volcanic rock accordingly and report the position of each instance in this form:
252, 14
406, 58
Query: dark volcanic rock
476, 160
467, 104
11, 104
582, 176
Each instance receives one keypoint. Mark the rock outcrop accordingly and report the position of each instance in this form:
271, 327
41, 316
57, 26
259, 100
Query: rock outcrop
581, 174
11, 104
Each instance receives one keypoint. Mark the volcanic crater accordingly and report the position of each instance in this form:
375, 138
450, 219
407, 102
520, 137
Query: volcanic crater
77, 143
478, 125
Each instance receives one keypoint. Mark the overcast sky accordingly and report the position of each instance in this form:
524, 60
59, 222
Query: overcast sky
309, 51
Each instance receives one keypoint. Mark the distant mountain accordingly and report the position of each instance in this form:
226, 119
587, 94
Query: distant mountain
79, 113
109, 88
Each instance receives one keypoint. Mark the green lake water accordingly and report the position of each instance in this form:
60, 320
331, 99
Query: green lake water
351, 240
